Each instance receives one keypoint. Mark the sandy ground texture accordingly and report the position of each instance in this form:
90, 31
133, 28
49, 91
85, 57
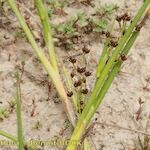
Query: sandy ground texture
43, 114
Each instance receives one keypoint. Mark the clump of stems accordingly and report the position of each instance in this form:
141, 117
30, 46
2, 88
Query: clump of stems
106, 76
108, 68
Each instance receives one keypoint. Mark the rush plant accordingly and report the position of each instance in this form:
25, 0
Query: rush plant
108, 67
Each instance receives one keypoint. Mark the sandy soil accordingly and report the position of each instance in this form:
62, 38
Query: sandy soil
119, 107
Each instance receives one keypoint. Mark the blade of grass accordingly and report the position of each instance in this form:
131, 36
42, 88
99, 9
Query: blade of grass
9, 136
103, 59
89, 110
42, 11
19, 115
53, 74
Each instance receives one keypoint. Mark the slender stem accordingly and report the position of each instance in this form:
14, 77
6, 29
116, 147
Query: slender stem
105, 54
48, 67
42, 11
9, 136
124, 128
103, 59
70, 86
19, 115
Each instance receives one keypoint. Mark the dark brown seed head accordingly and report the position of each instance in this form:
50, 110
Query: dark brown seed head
81, 102
69, 94
123, 57
102, 32
80, 110
72, 74
118, 18
75, 39
124, 16
138, 27
107, 34
85, 50
88, 29
128, 18
113, 43
84, 91
27, 17
26, 147
87, 73
96, 119
72, 60
77, 83
81, 70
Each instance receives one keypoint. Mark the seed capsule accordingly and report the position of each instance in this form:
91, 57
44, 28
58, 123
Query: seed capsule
72, 60
80, 110
84, 91
85, 50
102, 32
81, 102
96, 119
75, 39
138, 27
87, 73
72, 74
123, 57
26, 147
118, 18
107, 34
113, 43
128, 18
69, 94
81, 70
77, 83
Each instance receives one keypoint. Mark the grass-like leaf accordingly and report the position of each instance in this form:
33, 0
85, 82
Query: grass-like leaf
19, 115
43, 13
8, 136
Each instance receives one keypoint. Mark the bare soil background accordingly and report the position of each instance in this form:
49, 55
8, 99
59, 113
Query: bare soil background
120, 105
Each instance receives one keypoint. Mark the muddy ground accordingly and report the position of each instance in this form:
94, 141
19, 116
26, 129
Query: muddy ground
119, 108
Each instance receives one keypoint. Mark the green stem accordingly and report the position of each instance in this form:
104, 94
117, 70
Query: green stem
9, 136
42, 11
105, 54
48, 67
19, 115
103, 59
69, 84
